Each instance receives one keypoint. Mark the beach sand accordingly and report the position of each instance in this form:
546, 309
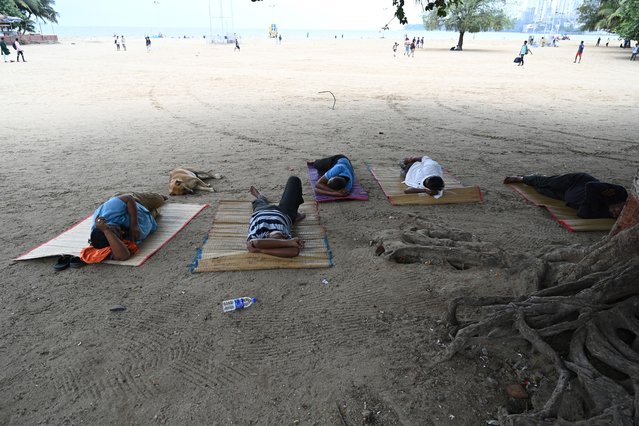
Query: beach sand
83, 121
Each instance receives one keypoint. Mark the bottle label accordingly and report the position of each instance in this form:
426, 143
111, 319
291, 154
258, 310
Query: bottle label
239, 303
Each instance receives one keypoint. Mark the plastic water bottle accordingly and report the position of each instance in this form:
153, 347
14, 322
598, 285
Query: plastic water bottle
239, 303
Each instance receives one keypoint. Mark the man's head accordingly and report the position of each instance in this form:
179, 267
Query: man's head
616, 198
336, 183
434, 183
99, 240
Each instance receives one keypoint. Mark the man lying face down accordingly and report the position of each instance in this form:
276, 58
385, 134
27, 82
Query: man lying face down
337, 176
591, 198
270, 225
422, 175
122, 220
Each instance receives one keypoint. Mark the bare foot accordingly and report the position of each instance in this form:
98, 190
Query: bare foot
300, 216
254, 191
513, 179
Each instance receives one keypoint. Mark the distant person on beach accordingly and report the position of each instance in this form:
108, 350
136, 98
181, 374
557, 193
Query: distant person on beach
237, 45
591, 198
4, 49
395, 46
580, 51
270, 225
608, 42
337, 176
598, 41
19, 50
117, 42
412, 49
120, 224
633, 57
279, 39
147, 41
523, 52
406, 46
123, 43
422, 42
422, 175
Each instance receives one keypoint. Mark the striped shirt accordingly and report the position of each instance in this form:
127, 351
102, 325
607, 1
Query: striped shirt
263, 222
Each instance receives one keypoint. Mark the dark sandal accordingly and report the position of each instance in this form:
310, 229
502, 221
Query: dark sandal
63, 263
76, 262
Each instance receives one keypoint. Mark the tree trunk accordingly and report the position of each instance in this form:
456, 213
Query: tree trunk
460, 41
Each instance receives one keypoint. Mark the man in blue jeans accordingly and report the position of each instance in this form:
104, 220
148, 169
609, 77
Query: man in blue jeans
270, 225
591, 198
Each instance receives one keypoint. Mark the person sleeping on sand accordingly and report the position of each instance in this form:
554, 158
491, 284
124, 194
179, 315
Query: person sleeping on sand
337, 176
120, 224
591, 198
422, 175
270, 225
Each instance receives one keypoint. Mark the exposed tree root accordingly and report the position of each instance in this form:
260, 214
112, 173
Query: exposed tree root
582, 315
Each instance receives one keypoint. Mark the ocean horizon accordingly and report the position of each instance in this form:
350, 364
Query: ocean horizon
93, 32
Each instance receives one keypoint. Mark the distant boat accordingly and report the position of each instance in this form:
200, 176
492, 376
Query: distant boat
272, 31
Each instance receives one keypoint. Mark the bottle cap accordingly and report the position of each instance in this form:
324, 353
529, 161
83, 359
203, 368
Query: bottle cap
253, 299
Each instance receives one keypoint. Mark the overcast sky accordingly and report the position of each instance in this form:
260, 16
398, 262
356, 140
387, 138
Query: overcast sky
292, 14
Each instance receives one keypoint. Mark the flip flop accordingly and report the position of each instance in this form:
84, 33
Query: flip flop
76, 262
63, 263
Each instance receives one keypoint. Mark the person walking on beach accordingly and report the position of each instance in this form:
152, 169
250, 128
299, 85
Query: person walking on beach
422, 42
19, 50
117, 42
4, 49
598, 41
523, 52
412, 49
608, 42
633, 57
580, 51
123, 43
395, 46
406, 46
237, 45
148, 44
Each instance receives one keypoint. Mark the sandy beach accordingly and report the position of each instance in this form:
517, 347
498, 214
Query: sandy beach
83, 121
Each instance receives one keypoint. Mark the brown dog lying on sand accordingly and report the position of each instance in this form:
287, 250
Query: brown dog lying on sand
186, 181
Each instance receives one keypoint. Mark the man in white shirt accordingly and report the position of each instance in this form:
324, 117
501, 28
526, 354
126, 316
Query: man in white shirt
423, 175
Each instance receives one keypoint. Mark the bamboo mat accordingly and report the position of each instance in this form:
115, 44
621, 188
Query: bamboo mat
563, 214
224, 248
173, 217
390, 180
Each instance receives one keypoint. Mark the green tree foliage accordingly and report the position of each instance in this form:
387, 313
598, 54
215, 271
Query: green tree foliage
617, 16
469, 16
9, 8
30, 11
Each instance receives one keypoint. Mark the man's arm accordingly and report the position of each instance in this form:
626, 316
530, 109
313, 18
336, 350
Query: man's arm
595, 205
132, 210
119, 250
276, 247
321, 187
419, 190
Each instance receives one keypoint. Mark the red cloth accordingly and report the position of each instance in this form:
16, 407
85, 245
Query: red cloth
93, 255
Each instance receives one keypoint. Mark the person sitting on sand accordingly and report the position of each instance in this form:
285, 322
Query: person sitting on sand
422, 175
337, 176
270, 225
120, 224
582, 192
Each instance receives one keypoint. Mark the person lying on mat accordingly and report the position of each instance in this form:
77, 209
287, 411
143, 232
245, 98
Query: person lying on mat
122, 220
270, 225
337, 176
422, 175
591, 198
